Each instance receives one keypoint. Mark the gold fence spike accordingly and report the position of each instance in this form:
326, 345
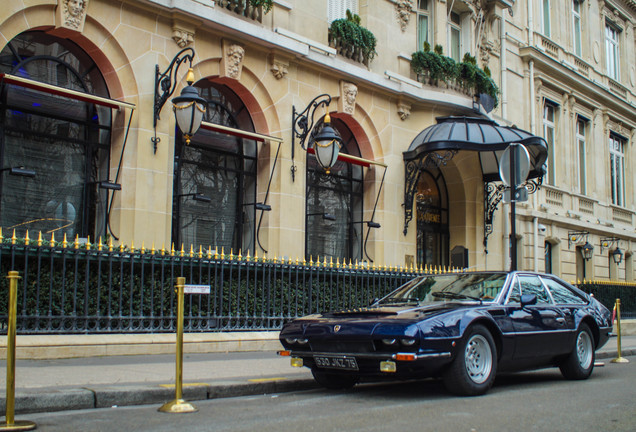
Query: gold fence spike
163, 249
40, 239
239, 256
1, 237
143, 247
27, 240
100, 245
256, 255
331, 262
88, 242
182, 251
152, 251
209, 254
52, 242
222, 253
110, 244
14, 238
191, 250
337, 262
121, 248
200, 252
64, 242
172, 250
132, 246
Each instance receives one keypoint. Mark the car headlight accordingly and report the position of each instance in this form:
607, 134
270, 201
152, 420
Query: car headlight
407, 341
388, 341
291, 341
303, 341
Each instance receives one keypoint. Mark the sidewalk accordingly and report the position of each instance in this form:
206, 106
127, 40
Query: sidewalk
103, 382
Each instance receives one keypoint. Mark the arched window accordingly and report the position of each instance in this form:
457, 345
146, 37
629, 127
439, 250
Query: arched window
432, 219
215, 178
333, 224
64, 141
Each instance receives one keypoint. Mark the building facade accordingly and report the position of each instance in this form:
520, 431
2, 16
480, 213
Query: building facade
88, 150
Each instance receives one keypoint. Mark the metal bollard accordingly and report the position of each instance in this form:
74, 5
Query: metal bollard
10, 423
619, 359
178, 405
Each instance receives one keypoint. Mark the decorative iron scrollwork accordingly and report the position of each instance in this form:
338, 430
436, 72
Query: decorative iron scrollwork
412, 171
493, 194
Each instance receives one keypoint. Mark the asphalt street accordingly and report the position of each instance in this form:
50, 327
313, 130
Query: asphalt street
530, 401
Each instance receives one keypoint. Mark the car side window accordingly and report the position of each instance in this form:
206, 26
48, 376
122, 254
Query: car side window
515, 293
533, 285
562, 294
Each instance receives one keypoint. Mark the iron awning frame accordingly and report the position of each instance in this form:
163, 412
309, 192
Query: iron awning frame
439, 143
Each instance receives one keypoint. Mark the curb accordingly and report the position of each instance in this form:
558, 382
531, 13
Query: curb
50, 400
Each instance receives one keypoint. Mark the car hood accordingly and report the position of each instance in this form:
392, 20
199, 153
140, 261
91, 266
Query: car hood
372, 320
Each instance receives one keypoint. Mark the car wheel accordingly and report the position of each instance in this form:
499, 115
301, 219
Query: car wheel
473, 370
334, 381
578, 365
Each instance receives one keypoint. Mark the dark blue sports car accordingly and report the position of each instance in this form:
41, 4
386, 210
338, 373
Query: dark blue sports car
463, 327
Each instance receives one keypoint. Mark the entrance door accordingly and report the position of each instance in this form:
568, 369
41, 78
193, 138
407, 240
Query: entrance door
432, 220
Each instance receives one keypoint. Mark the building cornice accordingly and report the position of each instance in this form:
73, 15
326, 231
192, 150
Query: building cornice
213, 19
591, 89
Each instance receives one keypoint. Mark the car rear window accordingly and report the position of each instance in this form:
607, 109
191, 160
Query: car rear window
562, 294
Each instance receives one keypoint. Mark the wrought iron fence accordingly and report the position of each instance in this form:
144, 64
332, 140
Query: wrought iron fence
608, 291
73, 288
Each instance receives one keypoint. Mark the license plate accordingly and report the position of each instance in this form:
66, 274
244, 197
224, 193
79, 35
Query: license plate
339, 362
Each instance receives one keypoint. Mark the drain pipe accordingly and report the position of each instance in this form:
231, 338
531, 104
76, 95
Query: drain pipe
504, 68
535, 201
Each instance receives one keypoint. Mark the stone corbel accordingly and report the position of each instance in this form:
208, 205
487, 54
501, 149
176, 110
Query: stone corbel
182, 33
70, 16
403, 109
278, 66
403, 9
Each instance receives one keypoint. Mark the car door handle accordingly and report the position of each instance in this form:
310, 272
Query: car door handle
560, 320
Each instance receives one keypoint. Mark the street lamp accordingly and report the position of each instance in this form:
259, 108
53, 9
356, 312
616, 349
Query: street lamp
617, 256
588, 251
189, 107
326, 141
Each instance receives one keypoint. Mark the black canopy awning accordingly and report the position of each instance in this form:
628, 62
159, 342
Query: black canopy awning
481, 135
438, 144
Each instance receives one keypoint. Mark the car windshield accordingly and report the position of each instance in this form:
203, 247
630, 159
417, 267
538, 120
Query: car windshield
451, 287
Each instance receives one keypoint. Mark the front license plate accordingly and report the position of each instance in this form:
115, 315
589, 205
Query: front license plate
336, 362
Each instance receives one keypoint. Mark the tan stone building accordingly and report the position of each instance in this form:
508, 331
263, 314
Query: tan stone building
103, 168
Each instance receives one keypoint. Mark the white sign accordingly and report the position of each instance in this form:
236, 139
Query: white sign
521, 165
196, 289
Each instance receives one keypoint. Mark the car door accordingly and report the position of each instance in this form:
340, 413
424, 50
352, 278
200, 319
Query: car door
540, 329
568, 301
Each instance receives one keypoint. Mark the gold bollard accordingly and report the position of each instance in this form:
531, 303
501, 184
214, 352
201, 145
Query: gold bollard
10, 424
178, 405
619, 359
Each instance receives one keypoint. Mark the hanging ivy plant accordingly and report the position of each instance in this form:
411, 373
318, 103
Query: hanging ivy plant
266, 4
348, 36
441, 68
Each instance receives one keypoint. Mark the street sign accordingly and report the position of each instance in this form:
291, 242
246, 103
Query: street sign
196, 289
521, 164
520, 196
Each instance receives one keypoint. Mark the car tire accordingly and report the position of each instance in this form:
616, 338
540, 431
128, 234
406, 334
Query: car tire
334, 381
578, 365
473, 370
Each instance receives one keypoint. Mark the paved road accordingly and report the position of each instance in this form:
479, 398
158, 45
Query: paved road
531, 401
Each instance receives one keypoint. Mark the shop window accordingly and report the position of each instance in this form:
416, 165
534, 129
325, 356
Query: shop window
66, 142
214, 191
334, 207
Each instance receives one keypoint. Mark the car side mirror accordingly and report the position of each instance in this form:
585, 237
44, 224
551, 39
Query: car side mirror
528, 300
375, 300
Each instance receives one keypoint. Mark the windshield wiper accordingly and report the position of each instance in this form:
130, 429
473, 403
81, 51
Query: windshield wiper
400, 301
456, 296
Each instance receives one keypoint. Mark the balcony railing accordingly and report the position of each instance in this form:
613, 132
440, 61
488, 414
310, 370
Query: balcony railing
243, 8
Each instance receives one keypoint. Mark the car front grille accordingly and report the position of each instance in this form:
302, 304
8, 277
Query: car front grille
337, 346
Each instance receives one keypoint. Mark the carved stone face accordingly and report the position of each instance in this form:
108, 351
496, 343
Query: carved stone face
75, 7
351, 91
